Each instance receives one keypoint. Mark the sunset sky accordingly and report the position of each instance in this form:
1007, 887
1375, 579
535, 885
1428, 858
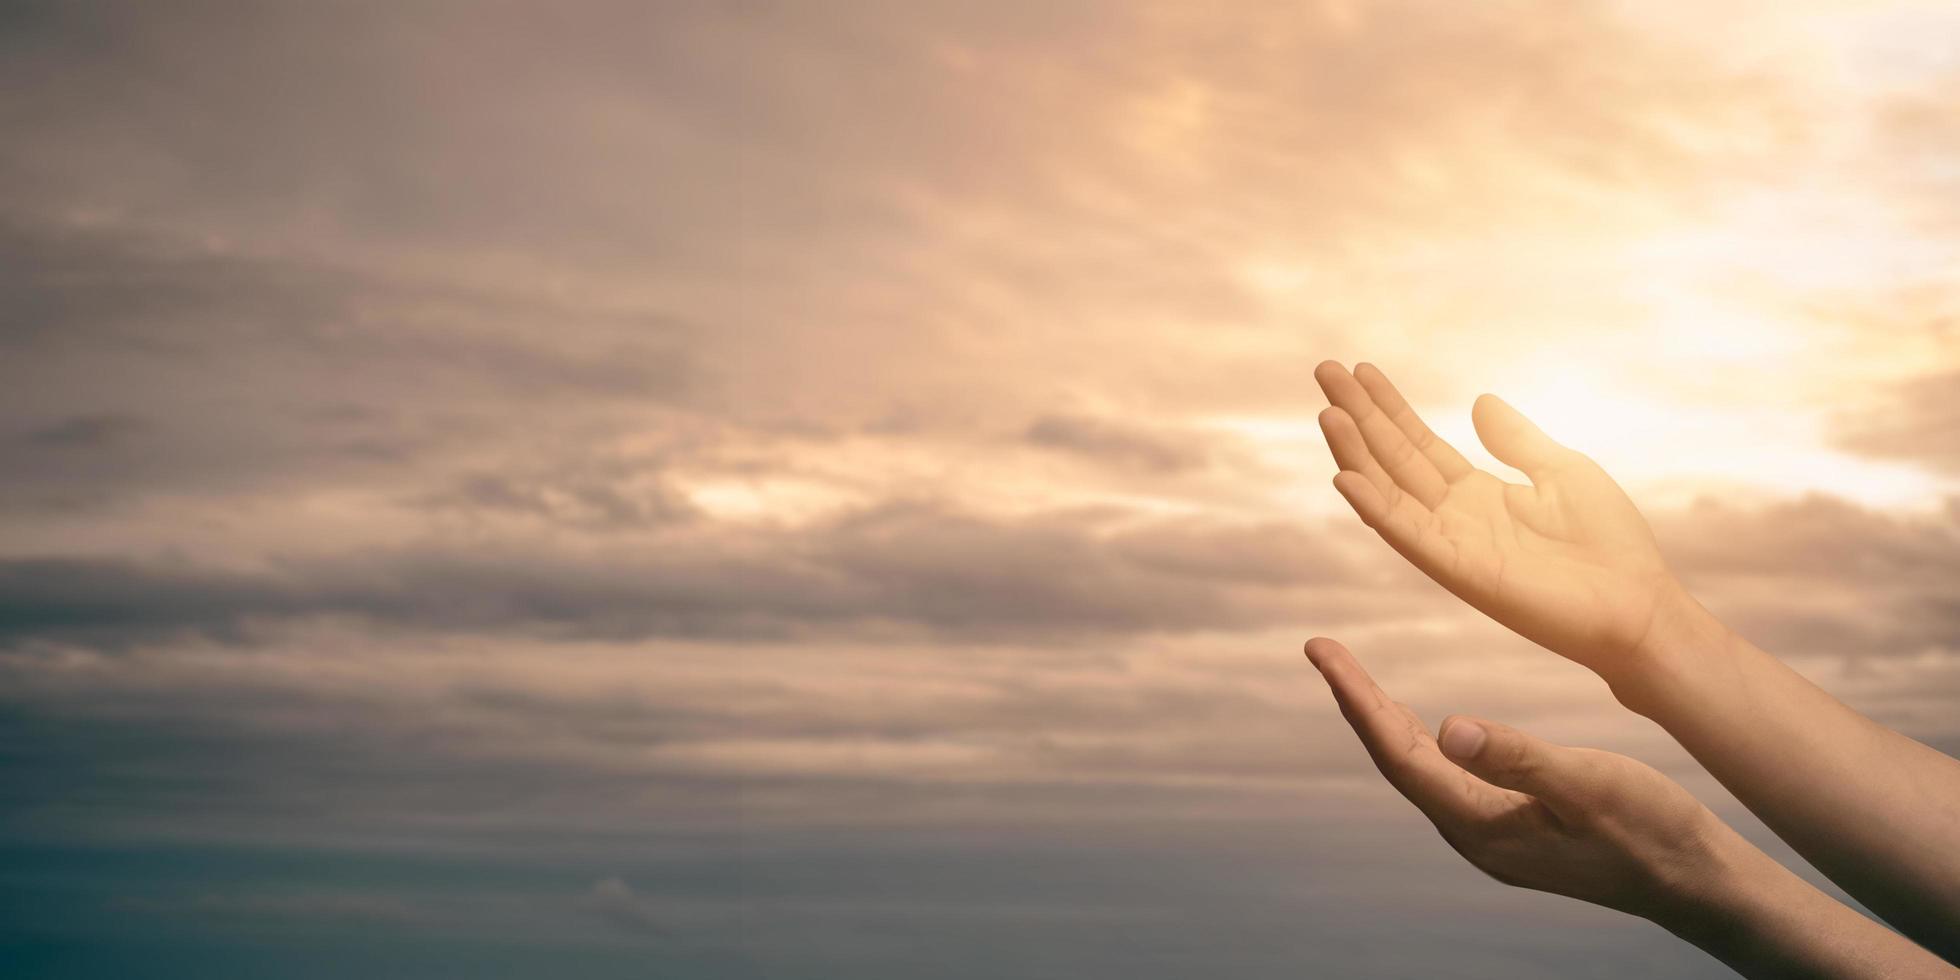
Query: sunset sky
752, 489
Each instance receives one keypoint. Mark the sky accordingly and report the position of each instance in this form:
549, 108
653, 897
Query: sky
740, 489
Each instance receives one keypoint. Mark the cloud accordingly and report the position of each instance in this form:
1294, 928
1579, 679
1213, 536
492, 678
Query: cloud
84, 431
1921, 424
1123, 444
922, 569
1915, 136
575, 499
141, 365
615, 899
1063, 184
1821, 576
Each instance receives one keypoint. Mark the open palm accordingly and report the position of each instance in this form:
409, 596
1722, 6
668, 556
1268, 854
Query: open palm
1566, 561
1579, 822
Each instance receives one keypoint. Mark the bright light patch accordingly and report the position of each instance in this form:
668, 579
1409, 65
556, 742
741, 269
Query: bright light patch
1677, 450
1665, 450
766, 500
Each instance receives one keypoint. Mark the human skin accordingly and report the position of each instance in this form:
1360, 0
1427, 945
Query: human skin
1606, 829
1568, 562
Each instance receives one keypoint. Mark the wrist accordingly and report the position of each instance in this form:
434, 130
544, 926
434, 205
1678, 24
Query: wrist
1762, 920
1725, 895
1733, 902
1682, 642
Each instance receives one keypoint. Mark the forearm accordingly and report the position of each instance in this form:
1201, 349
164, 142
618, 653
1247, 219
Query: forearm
1876, 811
1764, 921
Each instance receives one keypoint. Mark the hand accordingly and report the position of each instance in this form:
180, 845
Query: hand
1568, 562
1608, 830
1587, 824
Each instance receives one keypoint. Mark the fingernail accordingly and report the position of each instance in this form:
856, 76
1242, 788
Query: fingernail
1462, 739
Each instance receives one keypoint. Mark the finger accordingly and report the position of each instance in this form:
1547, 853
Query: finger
1400, 746
1503, 756
1351, 452
1364, 496
1404, 524
1448, 462
1411, 470
1514, 439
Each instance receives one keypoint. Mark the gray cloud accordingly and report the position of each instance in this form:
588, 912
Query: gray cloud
1821, 576
577, 499
1921, 424
139, 366
922, 569
1119, 443
84, 431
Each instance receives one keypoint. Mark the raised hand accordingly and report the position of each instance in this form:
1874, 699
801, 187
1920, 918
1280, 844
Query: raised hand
1567, 561
1606, 829
1577, 822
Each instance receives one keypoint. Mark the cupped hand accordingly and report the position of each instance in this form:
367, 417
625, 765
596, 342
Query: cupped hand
1583, 823
1566, 561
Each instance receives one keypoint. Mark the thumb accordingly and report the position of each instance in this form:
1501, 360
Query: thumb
1513, 438
1503, 756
